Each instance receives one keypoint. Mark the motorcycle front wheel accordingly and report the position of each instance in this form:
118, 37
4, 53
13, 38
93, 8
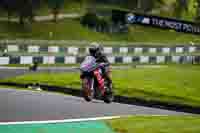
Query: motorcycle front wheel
88, 92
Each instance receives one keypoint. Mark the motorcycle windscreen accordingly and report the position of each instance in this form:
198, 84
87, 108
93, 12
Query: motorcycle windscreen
89, 64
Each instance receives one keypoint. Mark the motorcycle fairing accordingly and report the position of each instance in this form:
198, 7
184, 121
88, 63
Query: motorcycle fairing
89, 64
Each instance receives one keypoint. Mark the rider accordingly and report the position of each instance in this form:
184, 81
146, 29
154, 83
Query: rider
96, 51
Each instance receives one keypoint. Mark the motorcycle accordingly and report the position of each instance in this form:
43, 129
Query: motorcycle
93, 78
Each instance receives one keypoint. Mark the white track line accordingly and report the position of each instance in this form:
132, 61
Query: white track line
13, 68
59, 121
77, 120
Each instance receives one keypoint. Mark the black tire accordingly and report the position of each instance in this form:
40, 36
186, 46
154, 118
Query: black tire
87, 97
108, 97
88, 94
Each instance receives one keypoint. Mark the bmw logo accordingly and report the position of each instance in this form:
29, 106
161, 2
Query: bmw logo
131, 18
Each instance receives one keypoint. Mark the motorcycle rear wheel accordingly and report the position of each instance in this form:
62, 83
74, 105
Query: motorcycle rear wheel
108, 96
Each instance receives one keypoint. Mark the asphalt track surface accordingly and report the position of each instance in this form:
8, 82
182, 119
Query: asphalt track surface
23, 105
6, 72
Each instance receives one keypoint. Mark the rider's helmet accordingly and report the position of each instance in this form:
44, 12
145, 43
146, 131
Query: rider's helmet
95, 49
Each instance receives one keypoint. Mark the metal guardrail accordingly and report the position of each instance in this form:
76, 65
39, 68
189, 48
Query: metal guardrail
112, 59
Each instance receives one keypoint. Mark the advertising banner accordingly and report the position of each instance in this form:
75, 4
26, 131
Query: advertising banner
155, 21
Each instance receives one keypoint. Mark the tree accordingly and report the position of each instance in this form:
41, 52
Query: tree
147, 5
1, 3
190, 10
181, 6
23, 8
9, 6
26, 9
132, 4
55, 6
198, 11
141, 5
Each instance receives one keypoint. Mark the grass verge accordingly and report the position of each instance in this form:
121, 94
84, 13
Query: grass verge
173, 84
68, 29
156, 124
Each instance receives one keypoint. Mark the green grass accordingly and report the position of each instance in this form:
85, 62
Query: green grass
72, 30
148, 34
66, 29
165, 84
172, 84
156, 124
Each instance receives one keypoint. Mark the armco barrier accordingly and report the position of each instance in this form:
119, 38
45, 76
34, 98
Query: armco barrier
107, 49
112, 59
4, 60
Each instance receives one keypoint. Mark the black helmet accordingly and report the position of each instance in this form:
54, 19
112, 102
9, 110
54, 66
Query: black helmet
95, 49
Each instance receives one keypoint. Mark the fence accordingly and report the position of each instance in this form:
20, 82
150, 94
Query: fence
72, 50
112, 59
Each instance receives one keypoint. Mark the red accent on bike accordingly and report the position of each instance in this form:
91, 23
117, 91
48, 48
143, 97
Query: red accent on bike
88, 85
100, 80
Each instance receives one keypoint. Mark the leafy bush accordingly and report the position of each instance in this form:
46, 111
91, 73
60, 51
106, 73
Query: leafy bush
90, 19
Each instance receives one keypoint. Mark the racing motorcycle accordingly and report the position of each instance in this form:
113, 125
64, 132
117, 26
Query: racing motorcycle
94, 82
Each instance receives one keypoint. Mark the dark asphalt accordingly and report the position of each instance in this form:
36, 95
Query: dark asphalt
12, 71
24, 105
6, 73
